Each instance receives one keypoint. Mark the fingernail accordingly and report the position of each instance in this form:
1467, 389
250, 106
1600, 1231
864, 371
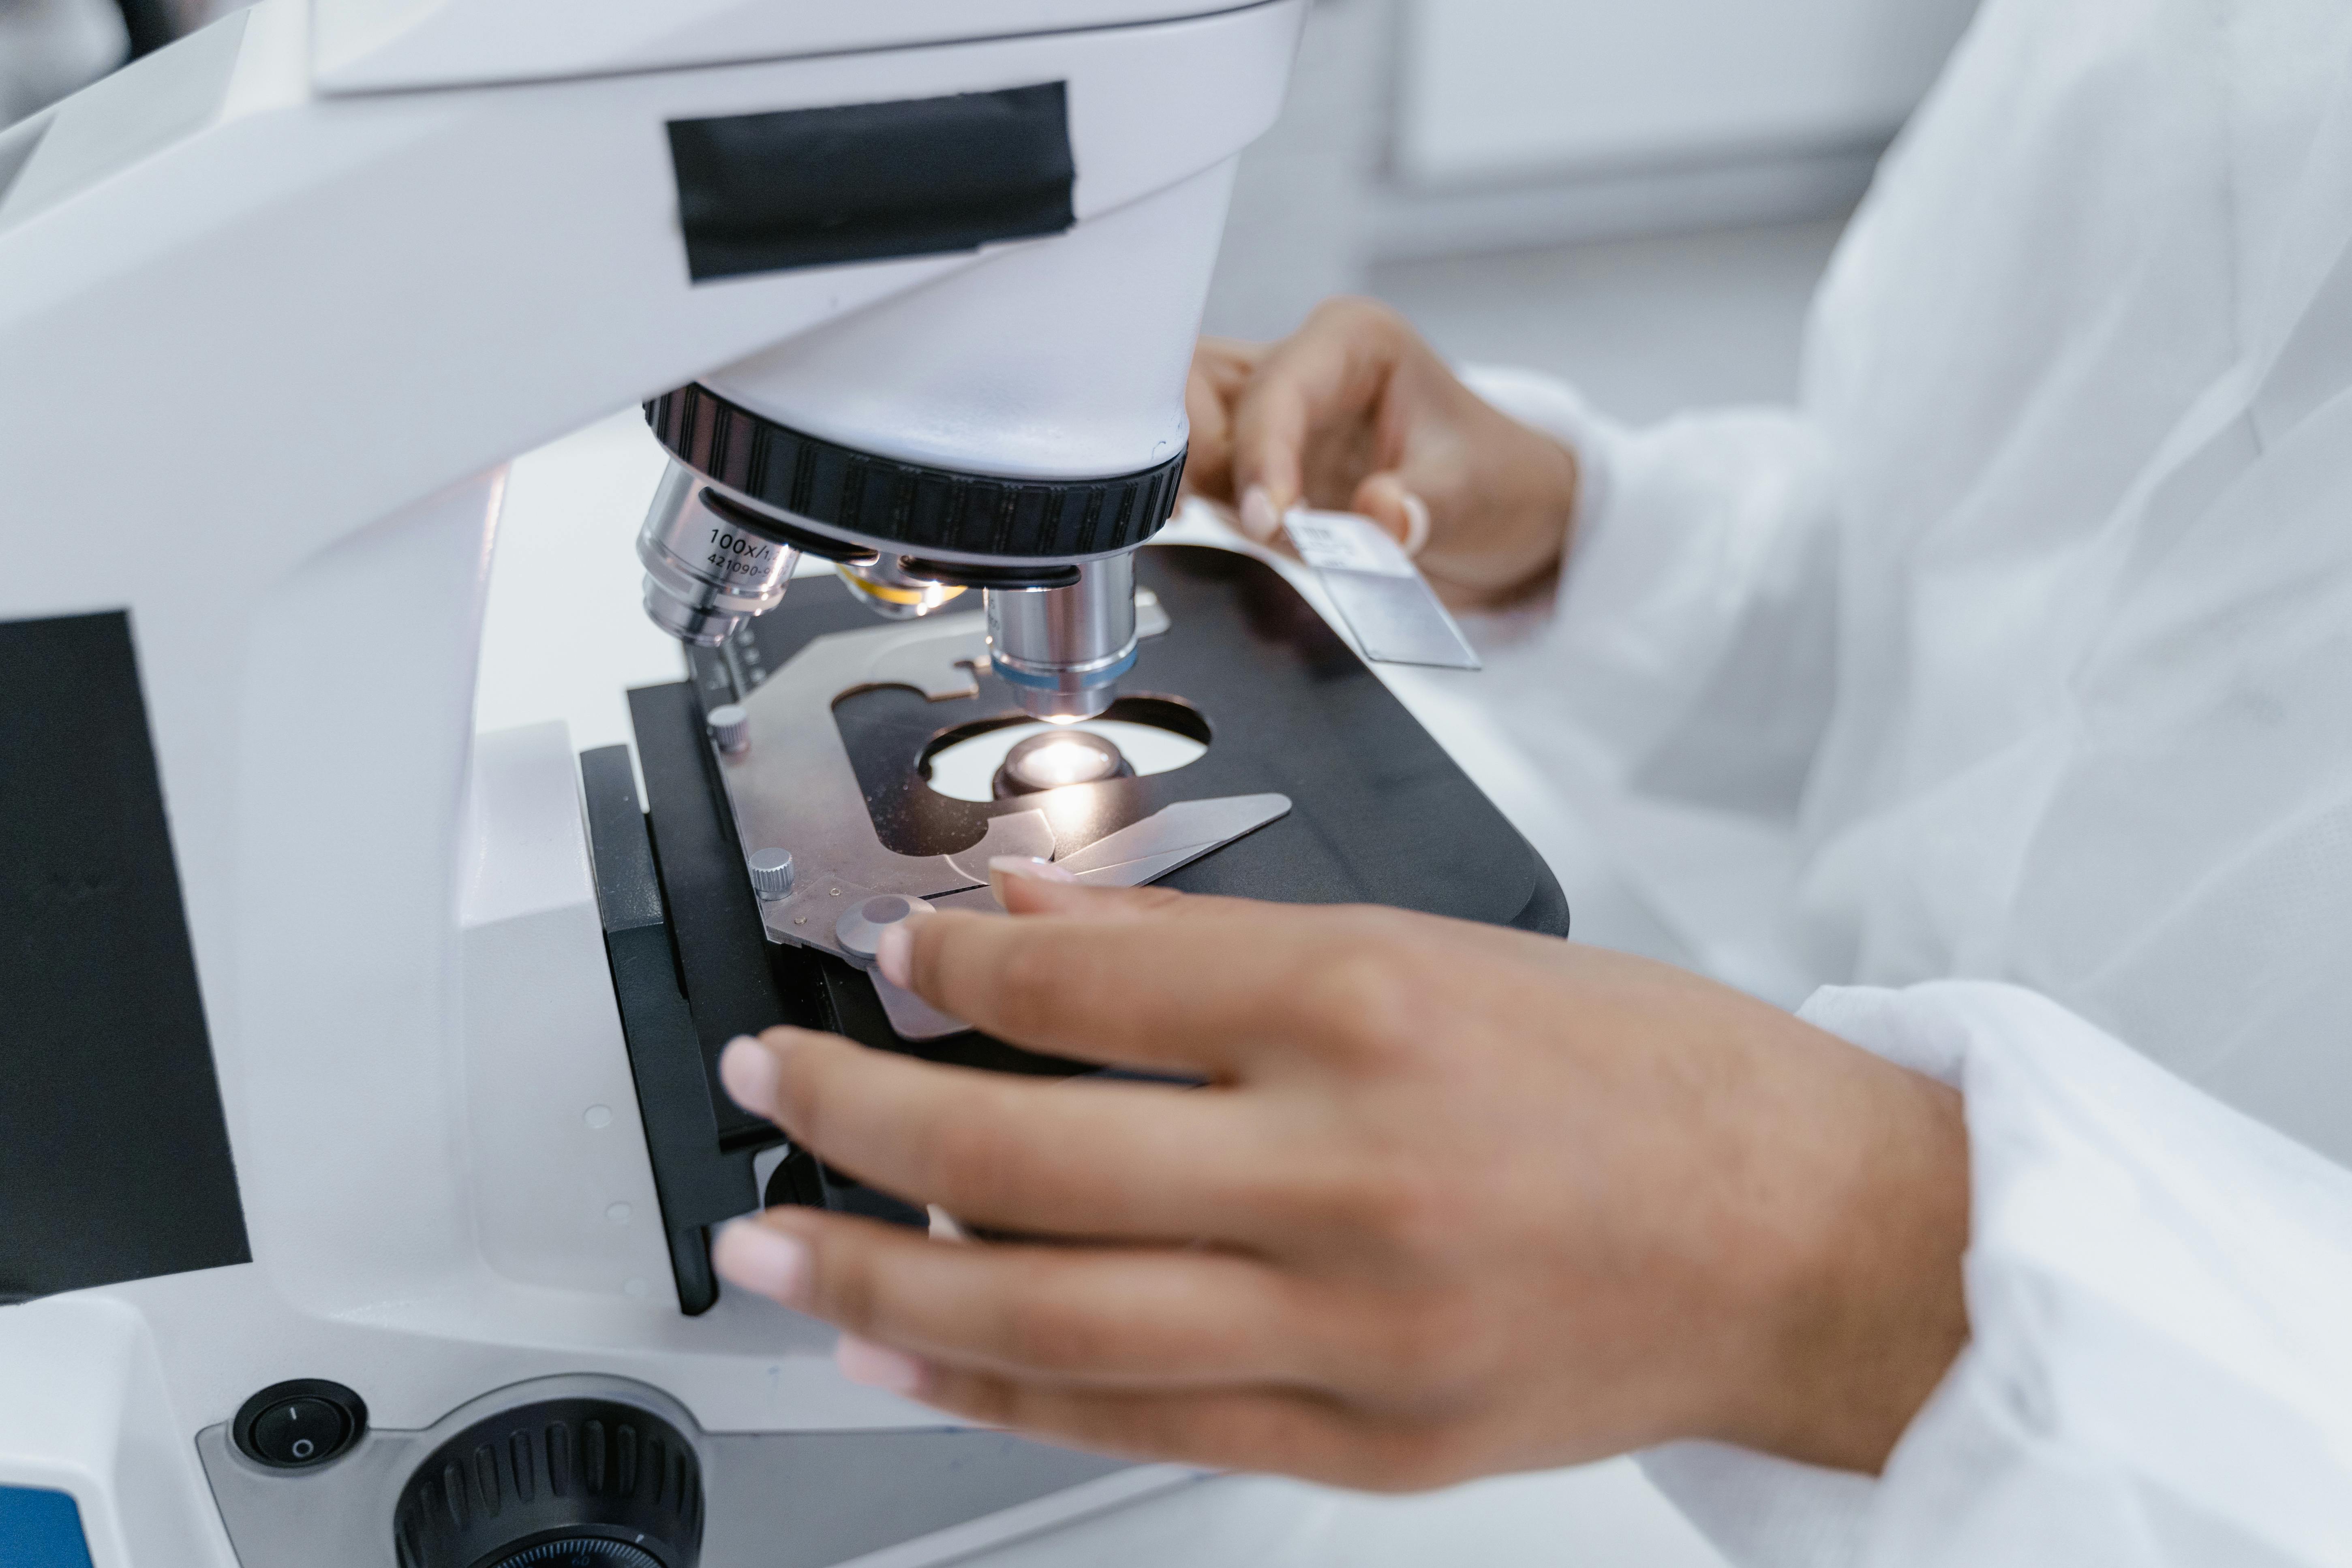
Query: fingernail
878, 1366
1027, 868
749, 1253
1259, 519
749, 1071
894, 956
1416, 524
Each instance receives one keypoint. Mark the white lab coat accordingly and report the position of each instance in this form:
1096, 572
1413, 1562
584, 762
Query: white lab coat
2004, 687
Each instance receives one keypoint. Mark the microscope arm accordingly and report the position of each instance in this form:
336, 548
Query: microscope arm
263, 353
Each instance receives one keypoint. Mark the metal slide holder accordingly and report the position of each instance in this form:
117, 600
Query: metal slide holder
791, 786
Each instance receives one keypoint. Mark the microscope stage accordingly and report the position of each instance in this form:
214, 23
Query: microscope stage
1378, 812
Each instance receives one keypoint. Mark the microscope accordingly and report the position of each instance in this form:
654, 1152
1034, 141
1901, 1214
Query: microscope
359, 1136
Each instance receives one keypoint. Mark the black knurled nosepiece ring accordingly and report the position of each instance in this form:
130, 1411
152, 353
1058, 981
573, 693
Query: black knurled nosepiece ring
921, 508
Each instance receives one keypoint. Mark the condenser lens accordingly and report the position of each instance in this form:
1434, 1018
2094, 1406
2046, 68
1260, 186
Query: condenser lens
1057, 758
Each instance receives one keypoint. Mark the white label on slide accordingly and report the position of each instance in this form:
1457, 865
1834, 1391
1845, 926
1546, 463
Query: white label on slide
1395, 615
1342, 541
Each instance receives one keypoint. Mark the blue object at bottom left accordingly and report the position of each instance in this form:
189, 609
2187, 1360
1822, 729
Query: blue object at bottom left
40, 1529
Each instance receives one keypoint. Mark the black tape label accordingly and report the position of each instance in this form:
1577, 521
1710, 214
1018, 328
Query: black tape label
817, 187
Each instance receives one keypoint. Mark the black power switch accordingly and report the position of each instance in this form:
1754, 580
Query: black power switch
295, 1426
300, 1431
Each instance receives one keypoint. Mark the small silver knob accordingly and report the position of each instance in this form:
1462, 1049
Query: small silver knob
729, 727
859, 929
771, 872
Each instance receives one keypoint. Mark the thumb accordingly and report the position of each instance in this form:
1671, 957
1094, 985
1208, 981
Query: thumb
1389, 501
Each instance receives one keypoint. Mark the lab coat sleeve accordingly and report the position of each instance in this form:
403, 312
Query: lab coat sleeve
2157, 1289
1692, 640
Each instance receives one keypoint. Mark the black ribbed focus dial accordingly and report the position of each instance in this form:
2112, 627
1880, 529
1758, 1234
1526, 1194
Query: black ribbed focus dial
580, 1552
558, 1483
920, 508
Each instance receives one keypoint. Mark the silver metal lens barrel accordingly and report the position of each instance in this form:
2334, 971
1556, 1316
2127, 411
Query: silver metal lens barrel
706, 574
1063, 649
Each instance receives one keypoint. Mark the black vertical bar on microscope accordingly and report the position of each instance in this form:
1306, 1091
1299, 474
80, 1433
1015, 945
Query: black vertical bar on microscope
115, 1161
723, 953
149, 25
664, 1057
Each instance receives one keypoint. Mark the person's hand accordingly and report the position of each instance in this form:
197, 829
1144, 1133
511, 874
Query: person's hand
1455, 1200
1354, 412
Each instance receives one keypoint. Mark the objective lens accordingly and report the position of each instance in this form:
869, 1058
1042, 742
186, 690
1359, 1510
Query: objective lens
1057, 758
1062, 650
887, 590
706, 574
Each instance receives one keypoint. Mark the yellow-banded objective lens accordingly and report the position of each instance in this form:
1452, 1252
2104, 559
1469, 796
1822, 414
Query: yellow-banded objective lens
897, 601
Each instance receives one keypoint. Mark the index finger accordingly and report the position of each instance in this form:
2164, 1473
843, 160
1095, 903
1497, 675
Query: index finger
1222, 986
1332, 369
1079, 1158
1221, 369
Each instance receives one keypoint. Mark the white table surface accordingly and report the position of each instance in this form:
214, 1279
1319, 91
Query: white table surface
565, 637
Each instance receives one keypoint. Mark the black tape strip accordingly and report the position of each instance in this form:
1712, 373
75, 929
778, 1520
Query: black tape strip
815, 187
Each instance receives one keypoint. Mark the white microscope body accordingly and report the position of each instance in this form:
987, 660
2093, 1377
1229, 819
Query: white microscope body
276, 306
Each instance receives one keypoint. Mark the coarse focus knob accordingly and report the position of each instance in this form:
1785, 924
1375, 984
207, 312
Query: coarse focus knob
557, 1482
771, 872
730, 727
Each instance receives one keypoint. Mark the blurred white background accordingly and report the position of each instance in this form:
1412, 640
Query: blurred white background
1639, 194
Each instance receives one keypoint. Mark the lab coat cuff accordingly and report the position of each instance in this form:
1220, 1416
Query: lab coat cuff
2155, 1287
1759, 1510
1765, 1512
1551, 405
